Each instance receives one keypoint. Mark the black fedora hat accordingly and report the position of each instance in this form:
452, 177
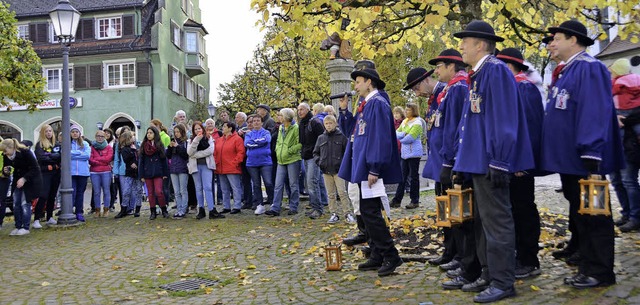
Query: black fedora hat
371, 74
513, 56
573, 28
415, 76
547, 39
448, 56
479, 29
364, 63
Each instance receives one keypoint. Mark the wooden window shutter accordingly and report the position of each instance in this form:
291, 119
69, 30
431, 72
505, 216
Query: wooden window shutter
128, 27
95, 76
86, 31
39, 32
32, 32
80, 77
143, 73
173, 36
183, 80
170, 80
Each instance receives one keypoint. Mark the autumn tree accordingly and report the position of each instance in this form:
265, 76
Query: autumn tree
21, 79
381, 27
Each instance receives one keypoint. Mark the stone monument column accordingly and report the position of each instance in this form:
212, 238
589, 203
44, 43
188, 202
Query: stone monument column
339, 78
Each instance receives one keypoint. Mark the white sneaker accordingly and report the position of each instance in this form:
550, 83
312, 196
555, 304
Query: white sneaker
14, 232
22, 232
334, 218
260, 210
37, 225
350, 218
52, 221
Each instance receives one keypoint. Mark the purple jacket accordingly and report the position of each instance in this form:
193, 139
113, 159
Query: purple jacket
179, 158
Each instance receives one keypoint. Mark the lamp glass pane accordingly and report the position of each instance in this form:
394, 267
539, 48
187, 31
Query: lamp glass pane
598, 197
441, 210
466, 205
455, 205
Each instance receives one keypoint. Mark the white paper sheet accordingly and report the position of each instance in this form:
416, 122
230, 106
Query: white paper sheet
376, 190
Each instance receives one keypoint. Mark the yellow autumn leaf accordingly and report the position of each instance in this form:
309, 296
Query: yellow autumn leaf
349, 277
251, 267
135, 281
45, 284
535, 288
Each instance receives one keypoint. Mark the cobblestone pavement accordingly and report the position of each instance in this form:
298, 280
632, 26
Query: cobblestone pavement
257, 260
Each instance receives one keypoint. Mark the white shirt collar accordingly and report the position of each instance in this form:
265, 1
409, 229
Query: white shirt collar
371, 94
480, 62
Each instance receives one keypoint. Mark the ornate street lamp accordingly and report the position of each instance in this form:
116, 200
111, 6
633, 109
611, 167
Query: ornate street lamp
212, 110
65, 18
99, 125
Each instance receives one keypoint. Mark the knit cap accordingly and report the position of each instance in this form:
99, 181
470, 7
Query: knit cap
621, 66
77, 127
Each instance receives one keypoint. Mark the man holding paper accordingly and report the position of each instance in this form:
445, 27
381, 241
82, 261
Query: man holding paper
372, 157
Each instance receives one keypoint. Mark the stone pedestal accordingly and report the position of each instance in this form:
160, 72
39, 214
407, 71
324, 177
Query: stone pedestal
339, 78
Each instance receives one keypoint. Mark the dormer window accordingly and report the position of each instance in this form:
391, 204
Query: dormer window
109, 27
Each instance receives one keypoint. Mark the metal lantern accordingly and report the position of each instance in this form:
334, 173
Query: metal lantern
594, 196
461, 204
333, 257
442, 211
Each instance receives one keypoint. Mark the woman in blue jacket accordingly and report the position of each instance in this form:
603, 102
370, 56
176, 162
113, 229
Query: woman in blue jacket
259, 163
80, 154
409, 134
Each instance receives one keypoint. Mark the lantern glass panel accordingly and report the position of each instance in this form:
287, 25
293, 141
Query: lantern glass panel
441, 210
466, 205
455, 205
598, 197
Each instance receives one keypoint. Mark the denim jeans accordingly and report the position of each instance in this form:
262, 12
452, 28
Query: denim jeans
324, 200
625, 182
79, 185
203, 179
21, 209
229, 183
265, 173
131, 192
101, 182
313, 185
179, 182
291, 170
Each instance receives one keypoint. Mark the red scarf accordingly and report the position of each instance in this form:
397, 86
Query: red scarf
149, 148
459, 76
556, 73
469, 76
521, 77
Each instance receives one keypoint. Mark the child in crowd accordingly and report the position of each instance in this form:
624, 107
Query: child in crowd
129, 183
48, 155
328, 154
80, 154
100, 162
153, 169
177, 153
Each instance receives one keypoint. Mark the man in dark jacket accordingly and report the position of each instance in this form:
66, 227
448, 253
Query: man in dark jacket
267, 121
310, 129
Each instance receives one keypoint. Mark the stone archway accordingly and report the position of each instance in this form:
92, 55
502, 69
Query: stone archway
55, 122
10, 130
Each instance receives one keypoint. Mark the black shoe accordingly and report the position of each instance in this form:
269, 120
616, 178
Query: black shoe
452, 265
477, 286
360, 238
225, 211
165, 213
621, 221
452, 274
271, 213
154, 214
246, 206
389, 266
523, 272
292, 212
564, 253
123, 213
213, 214
439, 260
582, 281
412, 205
370, 265
455, 283
631, 225
201, 213
574, 260
366, 251
493, 294
394, 203
235, 211
137, 212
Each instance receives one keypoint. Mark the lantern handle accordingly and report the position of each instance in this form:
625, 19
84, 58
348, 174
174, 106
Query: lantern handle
595, 177
457, 186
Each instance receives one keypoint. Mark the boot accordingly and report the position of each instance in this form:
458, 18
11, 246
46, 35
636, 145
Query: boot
105, 212
97, 212
123, 212
165, 213
154, 213
201, 213
215, 214
137, 213
359, 238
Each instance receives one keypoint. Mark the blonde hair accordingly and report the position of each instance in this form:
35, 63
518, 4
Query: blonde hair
12, 144
415, 110
318, 107
44, 142
125, 139
330, 118
329, 109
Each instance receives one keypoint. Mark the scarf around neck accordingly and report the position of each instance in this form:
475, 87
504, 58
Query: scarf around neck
149, 148
100, 145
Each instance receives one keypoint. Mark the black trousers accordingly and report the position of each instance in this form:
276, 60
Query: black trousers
596, 236
380, 240
526, 220
410, 168
571, 192
48, 192
449, 243
495, 233
465, 245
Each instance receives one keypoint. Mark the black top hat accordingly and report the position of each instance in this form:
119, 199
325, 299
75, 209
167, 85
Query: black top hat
547, 39
265, 107
479, 29
371, 74
448, 56
365, 63
573, 28
415, 76
513, 56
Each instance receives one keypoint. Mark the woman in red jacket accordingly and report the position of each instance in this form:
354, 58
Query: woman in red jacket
229, 154
100, 164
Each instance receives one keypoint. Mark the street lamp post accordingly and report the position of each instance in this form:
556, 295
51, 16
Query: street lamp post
65, 18
212, 110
